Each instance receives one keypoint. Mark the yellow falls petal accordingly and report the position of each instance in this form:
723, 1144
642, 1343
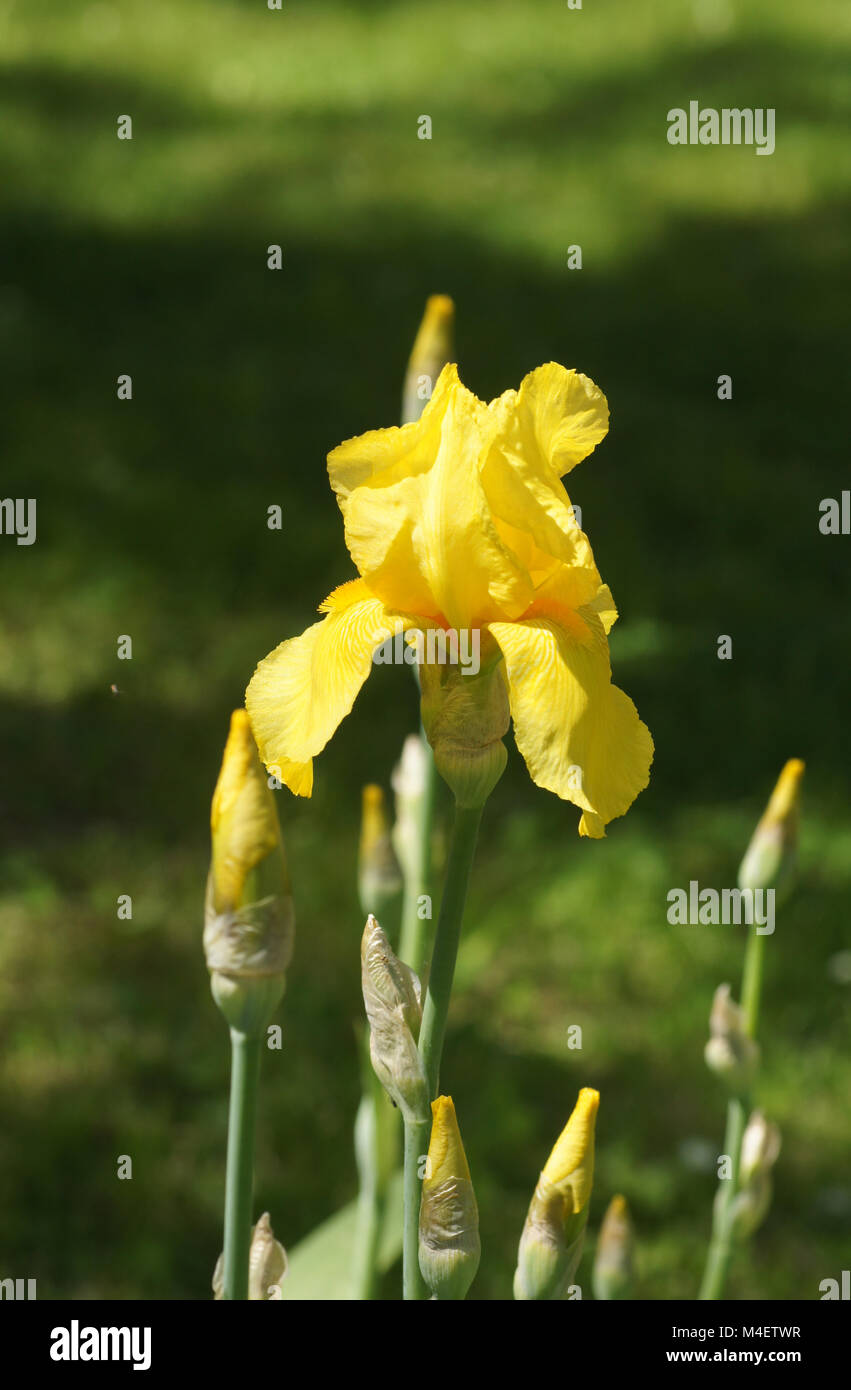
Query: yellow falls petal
604, 606
297, 776
580, 736
301, 692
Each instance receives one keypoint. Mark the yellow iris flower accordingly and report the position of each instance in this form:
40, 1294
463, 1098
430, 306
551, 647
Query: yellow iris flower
461, 521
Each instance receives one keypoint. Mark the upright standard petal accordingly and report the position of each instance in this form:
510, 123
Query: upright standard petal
532, 512
580, 736
302, 691
382, 457
561, 415
542, 431
418, 523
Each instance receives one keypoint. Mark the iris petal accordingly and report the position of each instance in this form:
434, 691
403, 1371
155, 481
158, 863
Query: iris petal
301, 692
580, 736
419, 526
561, 414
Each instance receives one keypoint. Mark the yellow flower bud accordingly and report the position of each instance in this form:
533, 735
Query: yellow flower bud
267, 1266
242, 817
431, 351
465, 718
730, 1053
449, 1245
393, 1000
552, 1238
379, 880
770, 857
613, 1262
249, 920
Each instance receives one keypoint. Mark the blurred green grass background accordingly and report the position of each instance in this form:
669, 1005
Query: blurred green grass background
148, 257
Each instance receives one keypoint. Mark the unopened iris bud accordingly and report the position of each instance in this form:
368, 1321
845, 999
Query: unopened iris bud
267, 1266
431, 351
613, 1261
760, 1146
393, 1000
759, 1153
552, 1238
249, 920
769, 860
730, 1053
449, 1247
466, 718
379, 880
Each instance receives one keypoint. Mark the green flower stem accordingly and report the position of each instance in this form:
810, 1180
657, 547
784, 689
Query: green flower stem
433, 1027
441, 974
413, 938
239, 1181
376, 1148
370, 1215
416, 1145
721, 1243
752, 982
413, 945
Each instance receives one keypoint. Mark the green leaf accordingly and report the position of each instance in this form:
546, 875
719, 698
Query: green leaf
320, 1266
